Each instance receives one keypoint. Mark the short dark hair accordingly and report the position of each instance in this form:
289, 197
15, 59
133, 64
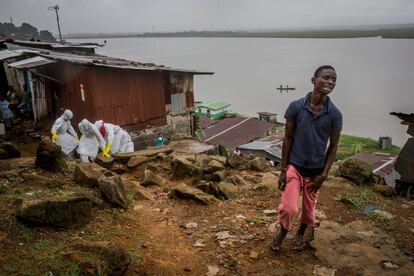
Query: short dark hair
320, 68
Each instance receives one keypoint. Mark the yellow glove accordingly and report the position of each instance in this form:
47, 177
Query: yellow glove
55, 137
77, 138
107, 152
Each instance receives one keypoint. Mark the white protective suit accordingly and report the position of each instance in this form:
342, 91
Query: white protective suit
90, 141
113, 134
126, 145
67, 137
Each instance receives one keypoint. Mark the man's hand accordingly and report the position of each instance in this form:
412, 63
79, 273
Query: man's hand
317, 183
282, 180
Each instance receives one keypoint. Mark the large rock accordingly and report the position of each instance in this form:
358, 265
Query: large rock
236, 180
357, 171
267, 182
385, 190
9, 150
88, 174
150, 152
150, 179
99, 258
186, 192
33, 179
17, 163
50, 156
217, 176
139, 192
201, 159
105, 162
119, 168
114, 189
213, 166
137, 160
237, 162
58, 212
259, 164
228, 190
182, 168
359, 247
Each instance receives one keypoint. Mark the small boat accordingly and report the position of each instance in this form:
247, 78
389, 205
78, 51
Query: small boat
287, 88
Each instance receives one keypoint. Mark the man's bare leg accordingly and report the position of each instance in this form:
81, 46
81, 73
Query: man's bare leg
300, 237
278, 239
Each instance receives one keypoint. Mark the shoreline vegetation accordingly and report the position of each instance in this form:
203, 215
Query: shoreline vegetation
350, 145
392, 33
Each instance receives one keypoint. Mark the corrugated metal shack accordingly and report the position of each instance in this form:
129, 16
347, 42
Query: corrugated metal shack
131, 94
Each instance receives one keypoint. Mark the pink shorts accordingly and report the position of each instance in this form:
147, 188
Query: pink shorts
288, 207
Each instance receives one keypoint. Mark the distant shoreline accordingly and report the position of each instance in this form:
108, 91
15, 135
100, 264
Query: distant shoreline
396, 33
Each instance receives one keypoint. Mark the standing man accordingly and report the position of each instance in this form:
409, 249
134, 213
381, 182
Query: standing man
310, 122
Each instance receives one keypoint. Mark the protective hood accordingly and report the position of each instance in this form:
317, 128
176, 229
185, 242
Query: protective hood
67, 115
85, 126
99, 124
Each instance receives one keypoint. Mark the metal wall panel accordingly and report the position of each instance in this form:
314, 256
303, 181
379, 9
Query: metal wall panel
181, 83
178, 103
39, 95
119, 96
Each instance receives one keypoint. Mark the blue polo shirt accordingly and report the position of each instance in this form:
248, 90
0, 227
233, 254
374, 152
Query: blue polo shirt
311, 133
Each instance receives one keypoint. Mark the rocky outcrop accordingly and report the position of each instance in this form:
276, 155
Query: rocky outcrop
237, 162
259, 164
150, 152
182, 167
50, 156
33, 179
17, 163
119, 168
186, 192
359, 247
93, 258
136, 160
150, 179
114, 190
357, 171
228, 190
105, 162
58, 212
139, 192
213, 166
87, 174
9, 150
384, 190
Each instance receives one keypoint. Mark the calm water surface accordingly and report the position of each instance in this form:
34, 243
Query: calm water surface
375, 76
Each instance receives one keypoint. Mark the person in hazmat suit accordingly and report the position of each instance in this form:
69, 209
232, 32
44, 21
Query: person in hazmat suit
90, 141
125, 144
112, 135
64, 135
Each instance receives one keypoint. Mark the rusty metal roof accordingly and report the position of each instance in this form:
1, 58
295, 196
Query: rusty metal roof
5, 54
96, 60
31, 62
233, 132
265, 113
272, 147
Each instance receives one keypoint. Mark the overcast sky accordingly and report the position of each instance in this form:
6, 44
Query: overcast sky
94, 16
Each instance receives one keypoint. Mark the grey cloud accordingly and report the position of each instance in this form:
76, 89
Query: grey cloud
175, 15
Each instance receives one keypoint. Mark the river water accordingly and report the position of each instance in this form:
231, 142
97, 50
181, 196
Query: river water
375, 75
